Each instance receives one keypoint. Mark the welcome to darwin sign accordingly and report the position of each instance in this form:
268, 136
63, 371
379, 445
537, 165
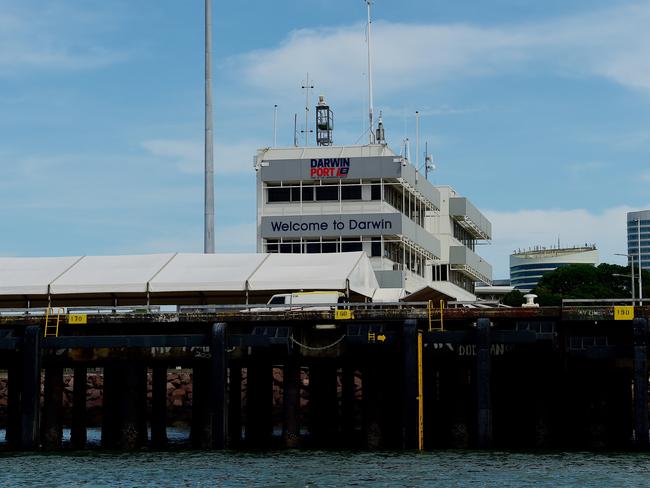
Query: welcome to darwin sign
331, 225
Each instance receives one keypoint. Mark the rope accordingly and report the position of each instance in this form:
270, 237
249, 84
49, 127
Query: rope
310, 348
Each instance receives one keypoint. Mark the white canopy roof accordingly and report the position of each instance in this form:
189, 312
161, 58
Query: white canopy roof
161, 273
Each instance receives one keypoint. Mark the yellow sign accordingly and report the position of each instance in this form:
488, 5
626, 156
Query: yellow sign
77, 318
344, 314
624, 312
372, 337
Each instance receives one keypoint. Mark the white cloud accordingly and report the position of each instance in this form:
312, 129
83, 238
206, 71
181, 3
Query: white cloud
527, 228
613, 43
43, 37
187, 155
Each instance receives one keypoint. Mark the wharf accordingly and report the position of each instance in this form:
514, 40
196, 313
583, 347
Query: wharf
398, 376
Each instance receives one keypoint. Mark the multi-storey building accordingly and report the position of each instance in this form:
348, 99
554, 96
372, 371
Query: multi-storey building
528, 267
328, 199
638, 237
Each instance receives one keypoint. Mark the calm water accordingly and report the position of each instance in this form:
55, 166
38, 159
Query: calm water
324, 469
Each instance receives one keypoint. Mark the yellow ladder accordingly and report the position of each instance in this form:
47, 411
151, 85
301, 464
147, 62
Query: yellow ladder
51, 326
430, 311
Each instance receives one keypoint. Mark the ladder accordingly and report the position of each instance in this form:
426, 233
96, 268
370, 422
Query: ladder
432, 310
51, 325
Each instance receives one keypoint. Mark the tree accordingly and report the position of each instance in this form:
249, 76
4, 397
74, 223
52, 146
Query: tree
513, 299
586, 282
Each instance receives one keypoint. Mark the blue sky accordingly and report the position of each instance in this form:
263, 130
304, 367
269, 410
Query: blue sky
539, 112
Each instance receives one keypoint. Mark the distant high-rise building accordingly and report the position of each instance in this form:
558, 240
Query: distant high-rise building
638, 225
528, 267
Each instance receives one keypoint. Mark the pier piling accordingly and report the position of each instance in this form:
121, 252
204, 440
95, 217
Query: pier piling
159, 405
52, 419
78, 433
291, 398
259, 398
410, 409
640, 331
218, 388
483, 376
31, 389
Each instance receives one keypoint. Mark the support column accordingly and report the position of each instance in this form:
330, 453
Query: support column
483, 366
348, 402
78, 434
31, 389
234, 406
323, 404
14, 380
259, 398
639, 326
110, 413
410, 407
200, 429
130, 432
371, 380
218, 407
52, 421
159, 405
291, 398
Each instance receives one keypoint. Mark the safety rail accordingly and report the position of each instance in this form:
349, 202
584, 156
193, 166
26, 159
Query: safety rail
603, 302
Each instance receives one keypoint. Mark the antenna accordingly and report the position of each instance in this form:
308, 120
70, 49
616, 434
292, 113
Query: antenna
307, 87
417, 139
275, 123
371, 133
295, 130
208, 233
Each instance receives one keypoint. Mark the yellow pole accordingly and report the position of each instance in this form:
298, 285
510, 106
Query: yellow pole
442, 306
420, 396
429, 310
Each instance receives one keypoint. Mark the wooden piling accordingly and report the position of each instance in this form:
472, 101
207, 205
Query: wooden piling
259, 398
131, 415
348, 403
218, 393
14, 381
323, 404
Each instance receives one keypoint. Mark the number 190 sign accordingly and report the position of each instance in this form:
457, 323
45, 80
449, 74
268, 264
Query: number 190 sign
624, 312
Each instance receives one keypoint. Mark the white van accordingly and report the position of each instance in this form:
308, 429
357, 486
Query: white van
303, 300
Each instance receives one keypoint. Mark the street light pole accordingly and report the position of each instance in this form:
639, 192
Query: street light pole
631, 258
208, 233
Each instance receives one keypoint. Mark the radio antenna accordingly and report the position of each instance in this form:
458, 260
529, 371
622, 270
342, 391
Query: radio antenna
371, 132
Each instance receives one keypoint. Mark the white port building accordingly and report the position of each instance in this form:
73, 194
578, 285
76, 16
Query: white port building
328, 199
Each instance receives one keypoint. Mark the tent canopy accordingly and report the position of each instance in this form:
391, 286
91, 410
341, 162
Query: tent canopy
169, 275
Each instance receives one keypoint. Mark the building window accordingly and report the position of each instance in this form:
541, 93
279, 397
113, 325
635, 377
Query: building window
307, 193
375, 192
327, 193
351, 192
272, 245
278, 194
329, 246
375, 247
351, 245
312, 247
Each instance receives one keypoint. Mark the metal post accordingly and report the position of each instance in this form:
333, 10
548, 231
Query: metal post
371, 135
209, 157
275, 123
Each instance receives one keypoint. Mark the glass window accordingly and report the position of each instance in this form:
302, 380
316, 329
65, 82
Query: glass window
329, 246
375, 192
277, 194
313, 247
325, 193
307, 193
351, 192
271, 245
375, 246
295, 194
351, 246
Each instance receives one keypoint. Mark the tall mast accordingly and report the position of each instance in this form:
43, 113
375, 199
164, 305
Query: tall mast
371, 135
208, 235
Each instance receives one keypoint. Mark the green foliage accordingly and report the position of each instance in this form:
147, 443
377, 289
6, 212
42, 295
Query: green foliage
513, 299
584, 281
